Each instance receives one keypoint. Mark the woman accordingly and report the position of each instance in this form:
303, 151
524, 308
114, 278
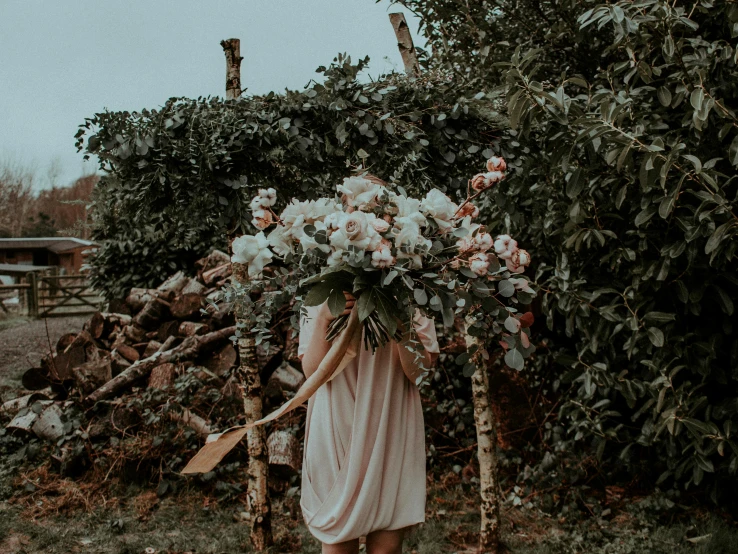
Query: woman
363, 470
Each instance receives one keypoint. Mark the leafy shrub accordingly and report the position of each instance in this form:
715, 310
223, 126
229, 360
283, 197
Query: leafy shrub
180, 179
624, 146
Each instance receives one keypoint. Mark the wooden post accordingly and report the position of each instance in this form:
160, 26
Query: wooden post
405, 44
32, 294
248, 370
486, 424
232, 49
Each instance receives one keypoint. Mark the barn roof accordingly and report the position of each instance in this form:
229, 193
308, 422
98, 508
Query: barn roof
54, 244
16, 269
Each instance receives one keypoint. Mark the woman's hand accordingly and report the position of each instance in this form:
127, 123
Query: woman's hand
325, 312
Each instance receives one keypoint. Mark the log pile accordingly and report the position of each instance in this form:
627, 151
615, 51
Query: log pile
147, 340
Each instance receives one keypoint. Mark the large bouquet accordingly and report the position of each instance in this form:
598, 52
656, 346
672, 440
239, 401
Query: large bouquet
395, 254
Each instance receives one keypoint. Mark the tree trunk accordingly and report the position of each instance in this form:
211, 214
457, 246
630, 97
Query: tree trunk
258, 467
232, 49
405, 44
484, 419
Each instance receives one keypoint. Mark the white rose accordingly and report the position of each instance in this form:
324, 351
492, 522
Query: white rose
479, 263
409, 239
380, 225
359, 191
408, 208
309, 242
440, 207
280, 241
253, 251
356, 230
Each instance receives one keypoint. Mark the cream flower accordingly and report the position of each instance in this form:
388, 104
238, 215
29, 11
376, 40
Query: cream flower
382, 257
468, 209
380, 225
408, 208
496, 163
356, 230
483, 241
505, 245
479, 263
360, 192
262, 218
280, 241
518, 261
440, 207
253, 251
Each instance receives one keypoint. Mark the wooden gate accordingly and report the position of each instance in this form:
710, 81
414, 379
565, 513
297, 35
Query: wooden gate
62, 296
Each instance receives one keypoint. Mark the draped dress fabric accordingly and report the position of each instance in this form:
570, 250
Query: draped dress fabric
364, 457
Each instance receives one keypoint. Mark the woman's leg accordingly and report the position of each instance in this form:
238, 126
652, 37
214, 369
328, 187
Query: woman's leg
385, 541
348, 547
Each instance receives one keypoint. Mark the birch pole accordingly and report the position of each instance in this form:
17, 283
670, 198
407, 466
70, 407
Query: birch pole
247, 371
486, 424
405, 44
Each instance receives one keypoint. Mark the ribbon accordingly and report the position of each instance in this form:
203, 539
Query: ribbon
344, 348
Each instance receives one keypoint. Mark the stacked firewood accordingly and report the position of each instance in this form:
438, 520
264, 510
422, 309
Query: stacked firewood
147, 339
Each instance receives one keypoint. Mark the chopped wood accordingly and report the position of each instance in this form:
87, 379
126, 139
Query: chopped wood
168, 329
194, 286
162, 376
152, 313
194, 421
287, 378
35, 378
17, 404
64, 341
219, 273
186, 305
190, 328
284, 451
118, 306
60, 365
48, 424
92, 375
189, 349
95, 325
174, 284
25, 419
134, 333
128, 352
138, 297
118, 363
151, 347
214, 259
222, 360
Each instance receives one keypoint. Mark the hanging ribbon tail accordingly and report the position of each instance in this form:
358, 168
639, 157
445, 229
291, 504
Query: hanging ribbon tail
343, 349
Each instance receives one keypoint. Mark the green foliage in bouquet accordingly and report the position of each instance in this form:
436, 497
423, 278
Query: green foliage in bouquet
624, 148
182, 176
398, 255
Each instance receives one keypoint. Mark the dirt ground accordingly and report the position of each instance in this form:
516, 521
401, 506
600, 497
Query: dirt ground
24, 341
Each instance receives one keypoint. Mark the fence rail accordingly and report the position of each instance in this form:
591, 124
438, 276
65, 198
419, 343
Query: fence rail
49, 295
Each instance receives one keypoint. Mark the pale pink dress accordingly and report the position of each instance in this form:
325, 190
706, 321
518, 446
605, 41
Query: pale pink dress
364, 458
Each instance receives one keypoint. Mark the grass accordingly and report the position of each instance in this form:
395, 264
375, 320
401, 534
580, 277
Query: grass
8, 321
68, 519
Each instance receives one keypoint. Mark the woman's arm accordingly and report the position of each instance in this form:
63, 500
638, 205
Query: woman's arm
410, 366
318, 347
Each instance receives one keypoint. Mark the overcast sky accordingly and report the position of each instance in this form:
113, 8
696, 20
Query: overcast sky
62, 61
